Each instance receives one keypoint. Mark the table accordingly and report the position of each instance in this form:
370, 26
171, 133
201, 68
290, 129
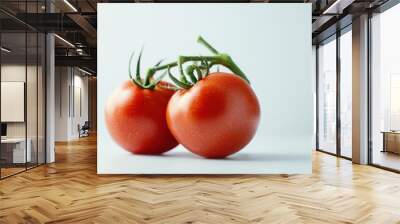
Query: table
391, 141
17, 150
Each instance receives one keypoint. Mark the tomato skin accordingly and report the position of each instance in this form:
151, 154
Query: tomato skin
216, 117
135, 118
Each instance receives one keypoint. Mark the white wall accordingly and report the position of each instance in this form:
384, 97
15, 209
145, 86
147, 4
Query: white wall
71, 102
62, 81
80, 110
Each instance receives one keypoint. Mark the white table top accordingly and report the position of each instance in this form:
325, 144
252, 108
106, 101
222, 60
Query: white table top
13, 140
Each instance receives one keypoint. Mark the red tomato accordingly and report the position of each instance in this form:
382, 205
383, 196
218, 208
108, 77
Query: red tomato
216, 117
135, 118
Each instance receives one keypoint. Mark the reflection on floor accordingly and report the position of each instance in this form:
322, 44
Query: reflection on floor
10, 169
70, 191
346, 152
386, 159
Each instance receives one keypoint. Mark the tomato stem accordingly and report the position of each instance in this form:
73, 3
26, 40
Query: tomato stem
129, 66
166, 66
137, 80
226, 60
176, 81
206, 61
182, 74
231, 65
203, 42
157, 67
194, 68
222, 59
189, 71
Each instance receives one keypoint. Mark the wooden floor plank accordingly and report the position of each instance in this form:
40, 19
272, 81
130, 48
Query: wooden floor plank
70, 191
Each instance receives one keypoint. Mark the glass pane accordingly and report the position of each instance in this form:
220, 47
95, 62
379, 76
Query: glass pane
32, 90
346, 93
14, 153
41, 98
32, 98
327, 97
386, 89
23, 90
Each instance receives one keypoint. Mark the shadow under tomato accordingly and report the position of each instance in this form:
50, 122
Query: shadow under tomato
265, 157
269, 157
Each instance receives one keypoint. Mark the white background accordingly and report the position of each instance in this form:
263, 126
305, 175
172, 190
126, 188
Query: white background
270, 42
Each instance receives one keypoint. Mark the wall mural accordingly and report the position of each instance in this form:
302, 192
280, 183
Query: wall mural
180, 92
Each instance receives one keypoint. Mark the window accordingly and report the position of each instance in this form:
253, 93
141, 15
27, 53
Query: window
346, 94
394, 102
385, 89
327, 96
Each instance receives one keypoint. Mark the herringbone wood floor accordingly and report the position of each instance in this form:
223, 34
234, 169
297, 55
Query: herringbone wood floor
70, 191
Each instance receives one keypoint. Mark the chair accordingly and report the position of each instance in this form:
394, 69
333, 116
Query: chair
84, 130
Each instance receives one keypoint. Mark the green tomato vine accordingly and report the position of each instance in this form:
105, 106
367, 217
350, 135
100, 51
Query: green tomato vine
198, 69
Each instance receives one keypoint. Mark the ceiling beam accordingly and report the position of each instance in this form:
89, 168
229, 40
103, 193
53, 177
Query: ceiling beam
83, 61
321, 20
338, 6
85, 25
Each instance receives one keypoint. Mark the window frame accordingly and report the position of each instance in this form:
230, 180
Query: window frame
334, 37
